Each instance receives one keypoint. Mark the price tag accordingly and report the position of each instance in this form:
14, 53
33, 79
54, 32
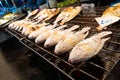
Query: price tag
107, 20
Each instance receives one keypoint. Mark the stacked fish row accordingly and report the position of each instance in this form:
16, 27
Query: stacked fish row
33, 21
37, 19
64, 40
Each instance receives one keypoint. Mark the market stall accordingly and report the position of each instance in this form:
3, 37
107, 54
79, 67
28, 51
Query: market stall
72, 40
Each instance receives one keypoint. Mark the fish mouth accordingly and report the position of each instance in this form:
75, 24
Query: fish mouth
46, 46
74, 61
58, 52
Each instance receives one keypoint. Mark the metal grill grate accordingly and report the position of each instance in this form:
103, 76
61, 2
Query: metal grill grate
96, 68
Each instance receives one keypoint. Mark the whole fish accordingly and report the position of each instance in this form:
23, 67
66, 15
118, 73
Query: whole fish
43, 36
47, 14
23, 21
61, 35
37, 32
71, 15
28, 29
32, 13
13, 25
88, 47
67, 44
65, 12
26, 24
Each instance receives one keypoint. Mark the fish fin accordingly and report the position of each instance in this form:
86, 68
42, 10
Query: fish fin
86, 34
84, 30
102, 44
105, 39
73, 28
103, 34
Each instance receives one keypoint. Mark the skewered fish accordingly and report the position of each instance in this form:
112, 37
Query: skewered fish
88, 47
67, 44
60, 35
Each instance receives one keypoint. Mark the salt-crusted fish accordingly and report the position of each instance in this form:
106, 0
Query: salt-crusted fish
61, 35
31, 28
67, 44
47, 14
71, 15
88, 47
43, 36
37, 32
67, 14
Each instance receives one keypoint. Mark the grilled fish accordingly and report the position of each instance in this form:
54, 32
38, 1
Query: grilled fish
61, 35
37, 32
47, 14
44, 35
71, 15
67, 14
14, 24
19, 22
31, 28
44, 15
67, 44
31, 13
88, 47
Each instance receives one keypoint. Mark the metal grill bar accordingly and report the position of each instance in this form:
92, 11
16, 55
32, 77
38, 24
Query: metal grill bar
98, 66
14, 33
112, 50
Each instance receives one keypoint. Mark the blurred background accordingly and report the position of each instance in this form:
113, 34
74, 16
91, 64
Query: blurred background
25, 5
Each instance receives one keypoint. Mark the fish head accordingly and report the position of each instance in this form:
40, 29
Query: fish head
60, 48
50, 42
76, 55
41, 38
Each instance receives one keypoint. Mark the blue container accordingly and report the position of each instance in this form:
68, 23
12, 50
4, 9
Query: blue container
117, 1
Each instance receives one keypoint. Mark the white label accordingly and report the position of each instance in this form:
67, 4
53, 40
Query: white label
107, 20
